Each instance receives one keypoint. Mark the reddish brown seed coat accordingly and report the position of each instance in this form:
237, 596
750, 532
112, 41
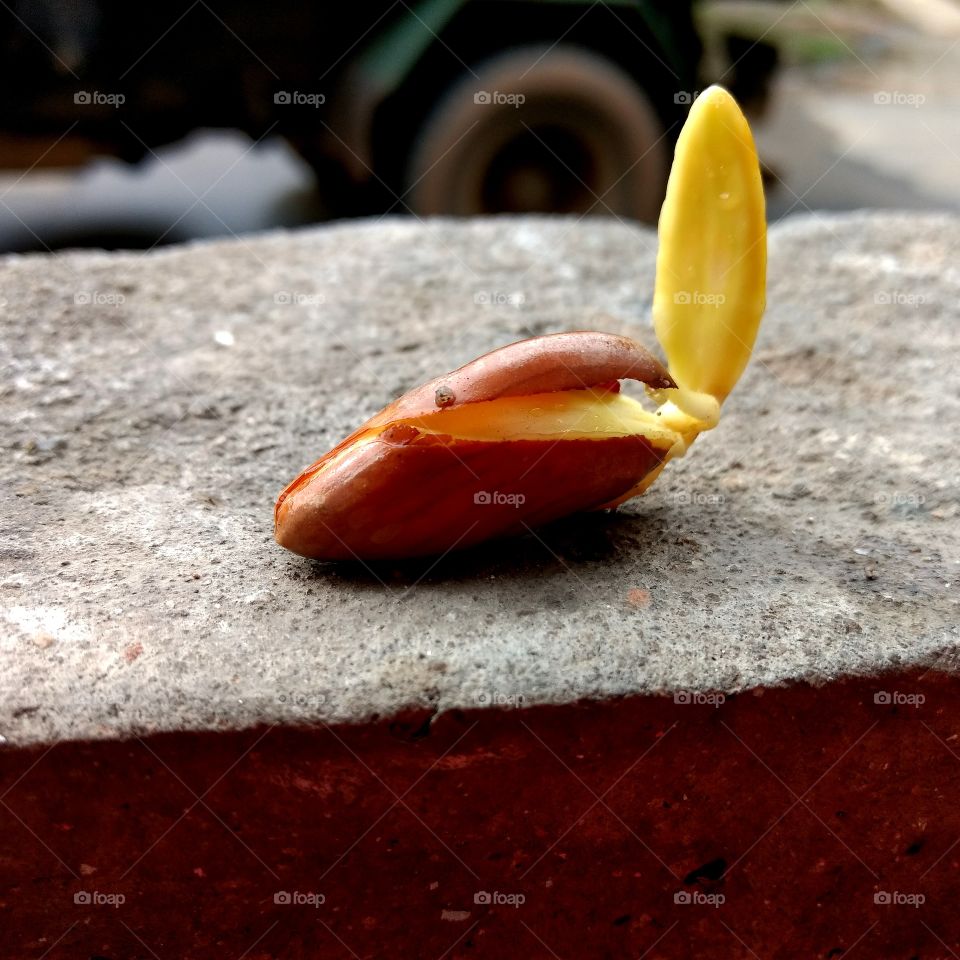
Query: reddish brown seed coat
407, 493
397, 498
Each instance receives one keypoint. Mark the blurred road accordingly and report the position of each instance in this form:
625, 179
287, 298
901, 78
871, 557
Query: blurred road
857, 134
216, 183
860, 131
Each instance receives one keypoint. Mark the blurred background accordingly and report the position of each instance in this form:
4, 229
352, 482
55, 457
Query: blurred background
132, 125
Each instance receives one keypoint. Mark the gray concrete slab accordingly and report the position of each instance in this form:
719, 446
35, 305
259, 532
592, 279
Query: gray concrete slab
154, 405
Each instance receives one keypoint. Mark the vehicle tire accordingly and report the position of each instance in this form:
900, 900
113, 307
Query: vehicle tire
584, 138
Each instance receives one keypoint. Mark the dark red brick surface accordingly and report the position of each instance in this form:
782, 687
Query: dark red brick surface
781, 814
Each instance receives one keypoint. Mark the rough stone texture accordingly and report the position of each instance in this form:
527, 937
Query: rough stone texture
154, 405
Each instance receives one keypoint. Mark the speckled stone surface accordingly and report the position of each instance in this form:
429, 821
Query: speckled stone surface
154, 405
